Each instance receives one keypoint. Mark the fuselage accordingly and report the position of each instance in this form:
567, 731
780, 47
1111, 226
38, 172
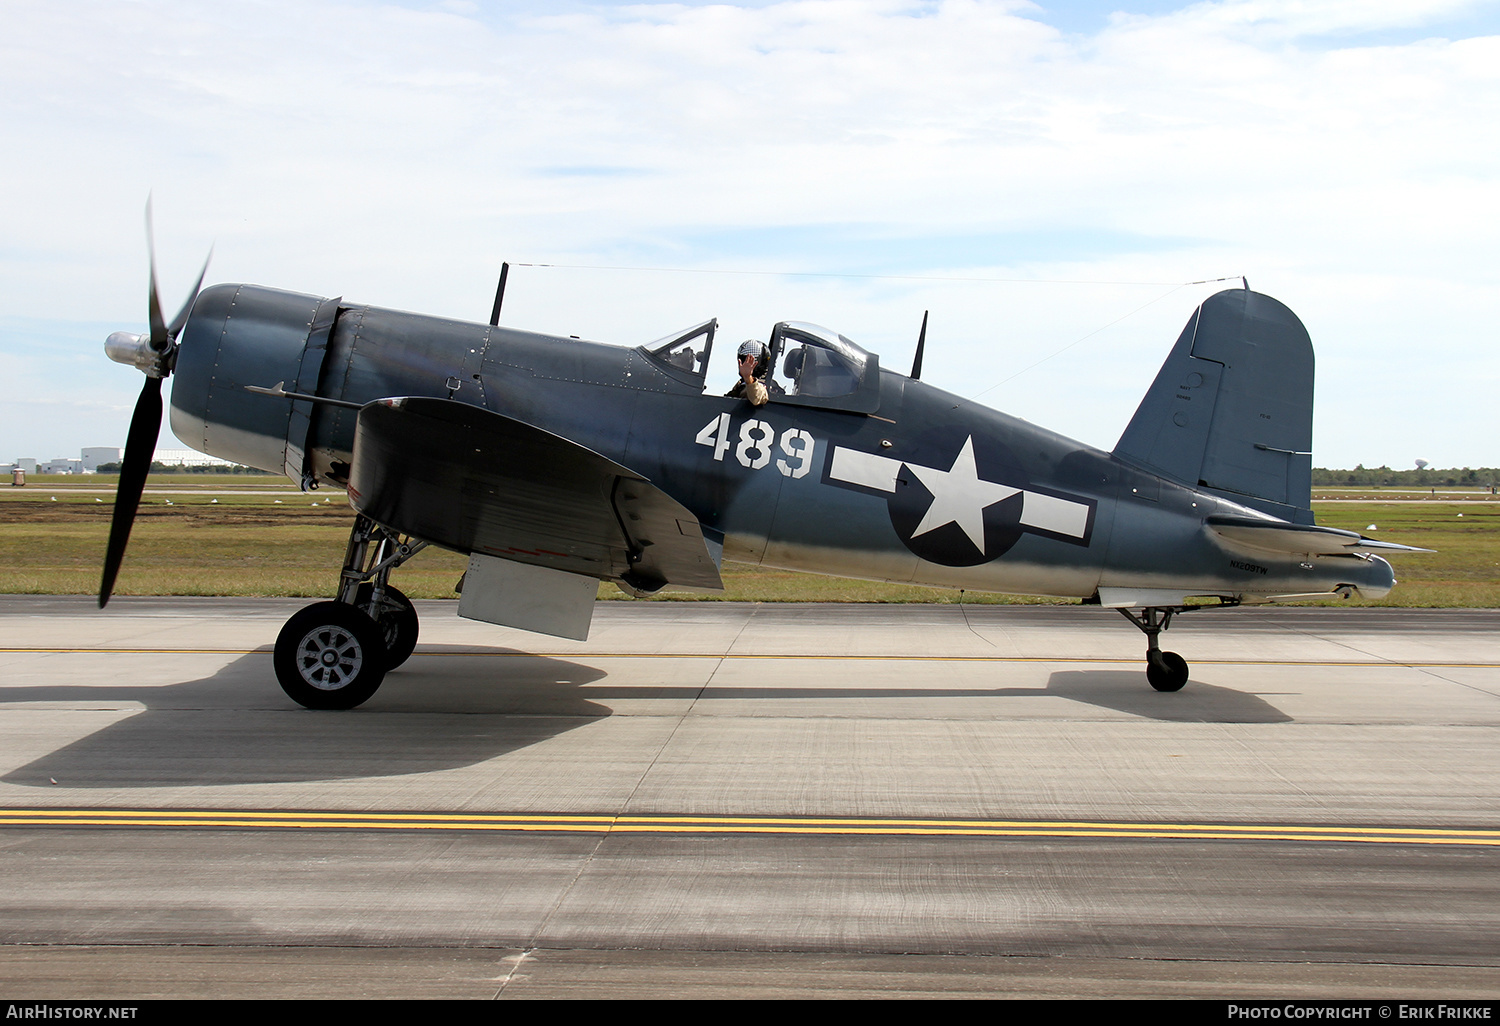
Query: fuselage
928, 488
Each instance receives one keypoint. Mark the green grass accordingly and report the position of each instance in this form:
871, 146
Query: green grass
1463, 572
219, 538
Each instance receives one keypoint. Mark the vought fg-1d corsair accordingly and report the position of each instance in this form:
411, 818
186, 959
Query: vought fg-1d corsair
555, 463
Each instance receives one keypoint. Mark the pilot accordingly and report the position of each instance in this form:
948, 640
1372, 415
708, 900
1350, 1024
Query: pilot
752, 365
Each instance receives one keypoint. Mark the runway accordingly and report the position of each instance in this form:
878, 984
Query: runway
714, 799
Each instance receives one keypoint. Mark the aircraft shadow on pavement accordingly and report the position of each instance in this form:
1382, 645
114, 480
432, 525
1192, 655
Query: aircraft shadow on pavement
1126, 691
1122, 690
447, 709
236, 726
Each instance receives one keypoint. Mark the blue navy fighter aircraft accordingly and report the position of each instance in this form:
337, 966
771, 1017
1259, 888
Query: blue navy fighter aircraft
554, 464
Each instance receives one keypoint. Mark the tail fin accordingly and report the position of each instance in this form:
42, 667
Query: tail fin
1231, 409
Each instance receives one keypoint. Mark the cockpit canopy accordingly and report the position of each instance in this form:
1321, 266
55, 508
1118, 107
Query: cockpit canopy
684, 354
813, 366
809, 365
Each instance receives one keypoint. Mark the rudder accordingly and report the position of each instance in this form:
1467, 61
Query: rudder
1231, 409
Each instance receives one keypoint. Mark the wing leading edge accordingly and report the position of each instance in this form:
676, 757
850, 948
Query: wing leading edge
479, 482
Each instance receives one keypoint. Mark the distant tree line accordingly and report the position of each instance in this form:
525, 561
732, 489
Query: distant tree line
164, 468
1428, 477
1360, 476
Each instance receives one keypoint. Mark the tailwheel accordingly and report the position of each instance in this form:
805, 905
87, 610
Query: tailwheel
1166, 671
397, 619
330, 656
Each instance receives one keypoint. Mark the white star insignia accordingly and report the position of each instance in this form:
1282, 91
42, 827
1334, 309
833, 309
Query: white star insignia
959, 495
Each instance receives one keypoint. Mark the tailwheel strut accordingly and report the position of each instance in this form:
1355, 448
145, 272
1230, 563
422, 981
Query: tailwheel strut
1166, 671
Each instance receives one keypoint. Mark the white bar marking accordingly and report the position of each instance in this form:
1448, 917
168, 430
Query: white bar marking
865, 469
1060, 516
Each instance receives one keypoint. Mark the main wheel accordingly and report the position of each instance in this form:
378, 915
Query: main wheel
397, 618
1167, 671
330, 656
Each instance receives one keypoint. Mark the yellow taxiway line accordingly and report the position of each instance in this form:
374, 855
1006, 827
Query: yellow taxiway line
676, 824
853, 657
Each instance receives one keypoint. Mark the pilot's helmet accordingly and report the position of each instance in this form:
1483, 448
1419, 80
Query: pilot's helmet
750, 347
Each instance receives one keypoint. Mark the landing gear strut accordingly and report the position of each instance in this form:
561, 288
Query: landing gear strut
334, 655
397, 619
1166, 671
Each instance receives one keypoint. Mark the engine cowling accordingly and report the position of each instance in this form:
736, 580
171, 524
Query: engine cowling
240, 335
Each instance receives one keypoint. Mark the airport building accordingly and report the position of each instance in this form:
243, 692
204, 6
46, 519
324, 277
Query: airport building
92, 458
95, 455
188, 458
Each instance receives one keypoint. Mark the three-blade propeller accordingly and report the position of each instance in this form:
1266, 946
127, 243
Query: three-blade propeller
145, 422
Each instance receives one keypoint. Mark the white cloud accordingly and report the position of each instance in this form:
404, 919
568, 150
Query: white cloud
397, 154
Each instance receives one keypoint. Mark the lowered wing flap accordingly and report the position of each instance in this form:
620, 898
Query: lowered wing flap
1279, 536
471, 480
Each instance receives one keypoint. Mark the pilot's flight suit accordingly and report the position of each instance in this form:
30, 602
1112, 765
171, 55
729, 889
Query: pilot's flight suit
756, 392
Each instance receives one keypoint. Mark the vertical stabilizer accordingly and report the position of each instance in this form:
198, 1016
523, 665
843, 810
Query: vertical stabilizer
1231, 409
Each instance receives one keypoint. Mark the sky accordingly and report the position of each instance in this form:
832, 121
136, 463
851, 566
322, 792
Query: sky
1056, 183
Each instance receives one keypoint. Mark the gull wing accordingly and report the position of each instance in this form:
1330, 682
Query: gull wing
475, 481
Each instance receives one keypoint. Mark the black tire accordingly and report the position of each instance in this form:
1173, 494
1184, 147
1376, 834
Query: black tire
330, 656
1167, 671
398, 623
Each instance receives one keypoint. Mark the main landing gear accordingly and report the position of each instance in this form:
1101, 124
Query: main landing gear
334, 655
1167, 671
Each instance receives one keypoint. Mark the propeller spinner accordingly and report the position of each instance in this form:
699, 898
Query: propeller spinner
154, 354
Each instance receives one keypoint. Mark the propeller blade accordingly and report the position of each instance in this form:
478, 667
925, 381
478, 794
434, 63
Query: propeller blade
182, 315
153, 303
140, 446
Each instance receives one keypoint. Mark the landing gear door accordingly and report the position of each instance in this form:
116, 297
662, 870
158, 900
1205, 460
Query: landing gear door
812, 366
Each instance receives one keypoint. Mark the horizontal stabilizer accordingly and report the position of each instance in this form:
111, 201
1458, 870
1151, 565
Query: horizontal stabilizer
1279, 536
470, 480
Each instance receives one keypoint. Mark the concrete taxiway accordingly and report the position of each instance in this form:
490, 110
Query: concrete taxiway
714, 798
